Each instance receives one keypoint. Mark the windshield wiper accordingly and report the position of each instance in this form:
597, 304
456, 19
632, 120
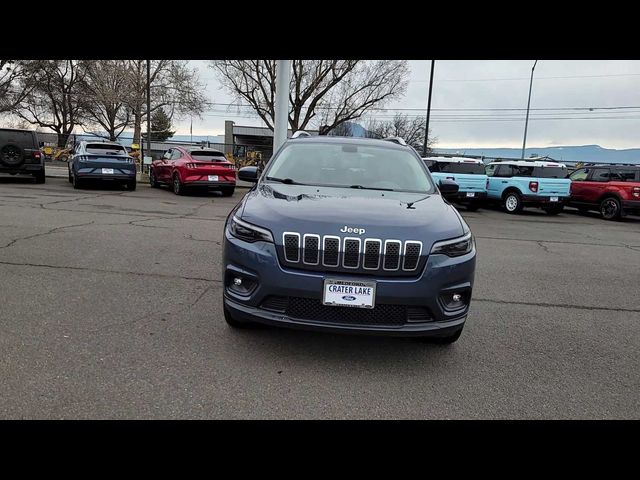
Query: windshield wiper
288, 181
360, 187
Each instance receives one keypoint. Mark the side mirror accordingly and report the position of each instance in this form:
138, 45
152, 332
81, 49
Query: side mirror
249, 174
448, 188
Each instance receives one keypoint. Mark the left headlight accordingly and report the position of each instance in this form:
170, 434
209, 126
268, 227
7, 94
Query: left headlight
248, 232
454, 247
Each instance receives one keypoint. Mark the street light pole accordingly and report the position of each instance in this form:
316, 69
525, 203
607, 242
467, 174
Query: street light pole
283, 76
526, 122
148, 114
426, 129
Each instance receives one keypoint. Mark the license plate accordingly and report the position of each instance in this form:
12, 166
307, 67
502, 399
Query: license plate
213, 178
107, 171
345, 293
471, 194
553, 199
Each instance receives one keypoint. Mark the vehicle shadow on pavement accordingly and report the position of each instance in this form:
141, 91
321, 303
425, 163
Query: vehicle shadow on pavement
311, 347
16, 179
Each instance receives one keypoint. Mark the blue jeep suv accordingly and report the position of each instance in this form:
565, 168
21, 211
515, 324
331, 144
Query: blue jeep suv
348, 235
520, 183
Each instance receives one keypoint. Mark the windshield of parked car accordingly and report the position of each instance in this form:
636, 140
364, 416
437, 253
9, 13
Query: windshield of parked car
208, 156
350, 166
458, 167
105, 149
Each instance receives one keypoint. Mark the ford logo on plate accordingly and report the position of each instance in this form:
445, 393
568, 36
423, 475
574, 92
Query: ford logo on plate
348, 298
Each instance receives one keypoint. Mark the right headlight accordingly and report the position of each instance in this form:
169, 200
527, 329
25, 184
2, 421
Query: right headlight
248, 232
454, 247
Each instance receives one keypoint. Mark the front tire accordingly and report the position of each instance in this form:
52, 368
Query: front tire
77, 183
40, 177
513, 202
448, 340
152, 179
555, 210
237, 324
610, 208
132, 185
178, 186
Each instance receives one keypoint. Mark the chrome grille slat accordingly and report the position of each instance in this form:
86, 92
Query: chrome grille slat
311, 249
372, 247
352, 253
331, 250
291, 246
411, 255
391, 259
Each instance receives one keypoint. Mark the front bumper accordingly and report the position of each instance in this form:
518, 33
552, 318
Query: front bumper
258, 262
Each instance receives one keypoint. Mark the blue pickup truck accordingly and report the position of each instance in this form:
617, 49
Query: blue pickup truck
525, 183
468, 173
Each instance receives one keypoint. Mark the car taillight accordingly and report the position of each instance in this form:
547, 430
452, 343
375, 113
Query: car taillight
36, 155
533, 186
636, 192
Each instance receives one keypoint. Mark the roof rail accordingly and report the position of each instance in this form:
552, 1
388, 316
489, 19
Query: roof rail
300, 133
398, 140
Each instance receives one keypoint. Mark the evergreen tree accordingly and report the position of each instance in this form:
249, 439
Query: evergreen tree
161, 126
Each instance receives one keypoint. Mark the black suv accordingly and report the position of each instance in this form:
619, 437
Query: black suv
20, 153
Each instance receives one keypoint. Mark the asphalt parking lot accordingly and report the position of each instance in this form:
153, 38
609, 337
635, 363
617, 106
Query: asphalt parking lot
111, 308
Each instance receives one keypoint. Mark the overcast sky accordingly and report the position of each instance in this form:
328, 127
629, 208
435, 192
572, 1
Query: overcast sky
484, 85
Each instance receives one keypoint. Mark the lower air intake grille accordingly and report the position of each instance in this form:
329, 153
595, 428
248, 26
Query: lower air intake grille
275, 303
311, 309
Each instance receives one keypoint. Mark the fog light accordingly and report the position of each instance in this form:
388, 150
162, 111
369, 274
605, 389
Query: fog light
455, 301
240, 285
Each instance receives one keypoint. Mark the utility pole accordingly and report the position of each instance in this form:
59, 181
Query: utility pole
283, 76
426, 129
526, 122
148, 113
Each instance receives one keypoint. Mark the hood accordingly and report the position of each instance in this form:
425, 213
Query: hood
331, 211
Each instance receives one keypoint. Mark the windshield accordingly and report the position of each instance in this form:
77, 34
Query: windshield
455, 167
350, 166
208, 156
102, 148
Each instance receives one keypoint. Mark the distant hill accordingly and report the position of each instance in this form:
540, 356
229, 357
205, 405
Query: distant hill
584, 153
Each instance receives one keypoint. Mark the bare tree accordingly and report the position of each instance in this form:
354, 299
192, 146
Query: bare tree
104, 88
53, 100
324, 93
411, 129
12, 87
174, 86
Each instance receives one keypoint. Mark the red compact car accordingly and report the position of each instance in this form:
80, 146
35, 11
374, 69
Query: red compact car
611, 189
193, 167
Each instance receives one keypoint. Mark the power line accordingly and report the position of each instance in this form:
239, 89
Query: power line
527, 78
